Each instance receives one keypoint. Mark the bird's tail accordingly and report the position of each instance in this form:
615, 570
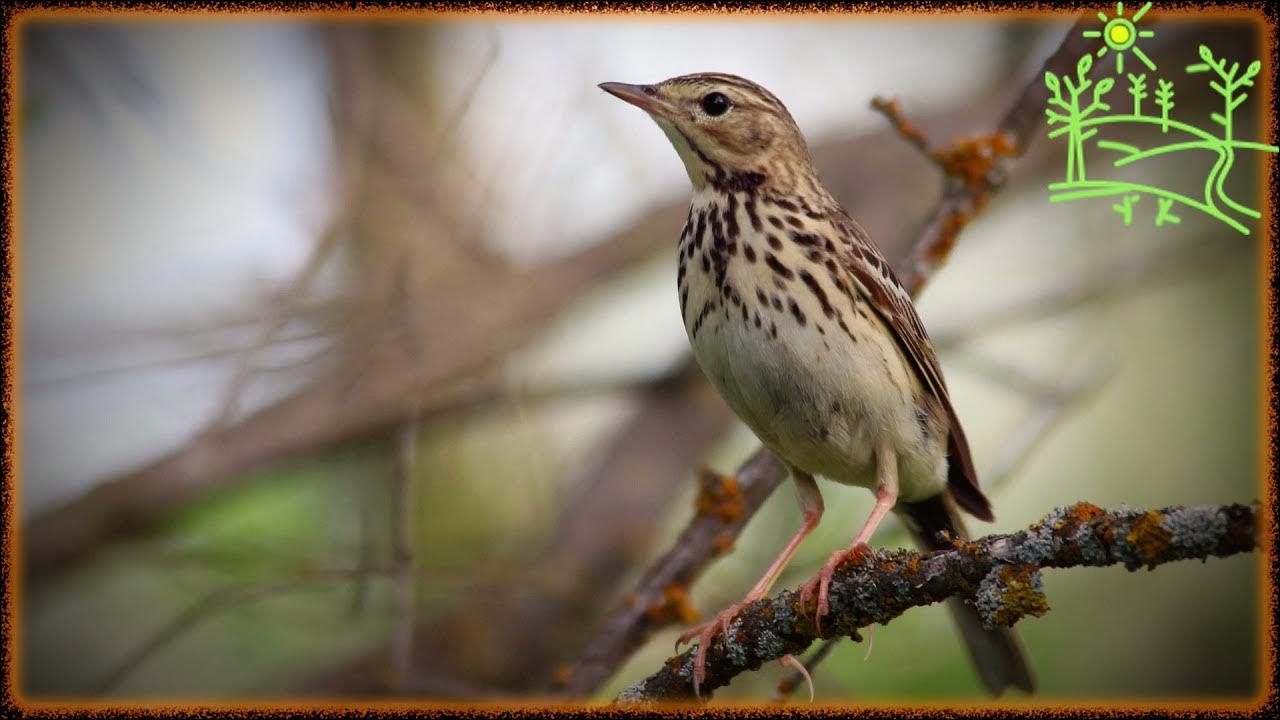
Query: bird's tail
997, 653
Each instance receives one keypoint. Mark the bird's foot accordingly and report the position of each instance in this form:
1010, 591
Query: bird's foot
822, 581
705, 633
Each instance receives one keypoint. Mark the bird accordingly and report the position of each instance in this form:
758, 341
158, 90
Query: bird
799, 322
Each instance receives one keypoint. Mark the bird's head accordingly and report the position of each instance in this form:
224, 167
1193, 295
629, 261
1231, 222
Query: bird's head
725, 128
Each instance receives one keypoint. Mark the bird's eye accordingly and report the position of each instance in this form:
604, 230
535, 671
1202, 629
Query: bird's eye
715, 104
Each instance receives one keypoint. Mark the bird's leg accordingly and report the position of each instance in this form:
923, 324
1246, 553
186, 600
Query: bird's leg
886, 496
810, 499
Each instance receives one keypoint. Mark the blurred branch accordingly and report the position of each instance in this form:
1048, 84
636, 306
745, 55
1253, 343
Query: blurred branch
975, 168
403, 512
1019, 380
221, 600
355, 399
1133, 272
661, 598
1002, 572
708, 536
1049, 409
359, 109
604, 530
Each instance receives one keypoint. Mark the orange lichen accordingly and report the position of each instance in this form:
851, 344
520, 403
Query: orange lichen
673, 607
1020, 595
858, 553
724, 542
913, 564
973, 550
720, 496
972, 159
1080, 513
1150, 539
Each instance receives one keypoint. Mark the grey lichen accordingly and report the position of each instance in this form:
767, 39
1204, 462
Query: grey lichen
1007, 593
634, 696
782, 607
862, 589
768, 645
989, 600
1092, 550
686, 666
734, 650
1195, 531
1040, 544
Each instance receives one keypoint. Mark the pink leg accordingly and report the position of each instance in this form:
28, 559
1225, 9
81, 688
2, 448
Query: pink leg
886, 496
811, 504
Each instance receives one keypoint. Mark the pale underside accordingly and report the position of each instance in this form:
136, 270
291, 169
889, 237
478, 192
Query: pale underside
820, 396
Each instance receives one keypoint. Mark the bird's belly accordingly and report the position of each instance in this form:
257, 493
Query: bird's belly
822, 400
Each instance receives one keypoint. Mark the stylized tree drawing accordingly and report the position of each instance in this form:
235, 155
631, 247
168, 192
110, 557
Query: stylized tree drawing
1230, 83
1164, 98
1138, 89
1228, 86
1075, 115
1226, 147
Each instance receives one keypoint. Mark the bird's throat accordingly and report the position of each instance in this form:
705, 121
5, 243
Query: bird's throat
693, 164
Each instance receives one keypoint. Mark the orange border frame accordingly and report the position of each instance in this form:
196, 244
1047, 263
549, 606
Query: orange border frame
10, 286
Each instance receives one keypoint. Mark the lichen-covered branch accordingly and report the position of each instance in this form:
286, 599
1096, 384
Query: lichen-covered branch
1000, 574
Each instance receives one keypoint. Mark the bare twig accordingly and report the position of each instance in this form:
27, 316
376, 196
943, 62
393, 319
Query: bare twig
1001, 572
221, 600
405, 609
1133, 272
1048, 411
352, 146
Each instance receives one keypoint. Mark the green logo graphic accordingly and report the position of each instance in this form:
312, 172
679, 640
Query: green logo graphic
1082, 111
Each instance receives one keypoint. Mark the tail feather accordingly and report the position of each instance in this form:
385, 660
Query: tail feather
997, 654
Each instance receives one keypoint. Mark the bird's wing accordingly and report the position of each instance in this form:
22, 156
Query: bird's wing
892, 303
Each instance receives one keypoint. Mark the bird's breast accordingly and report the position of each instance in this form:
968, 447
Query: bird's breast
787, 340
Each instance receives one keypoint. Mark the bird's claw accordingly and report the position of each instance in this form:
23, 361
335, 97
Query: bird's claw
705, 633
792, 662
822, 581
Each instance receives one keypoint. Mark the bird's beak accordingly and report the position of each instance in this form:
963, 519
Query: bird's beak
645, 97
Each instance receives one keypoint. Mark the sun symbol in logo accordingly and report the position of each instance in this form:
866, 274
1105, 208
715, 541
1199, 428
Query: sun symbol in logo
1120, 33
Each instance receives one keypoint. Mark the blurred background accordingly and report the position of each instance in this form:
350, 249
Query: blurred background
351, 361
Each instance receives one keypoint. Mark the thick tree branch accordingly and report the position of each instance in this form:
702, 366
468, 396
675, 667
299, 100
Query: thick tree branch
999, 572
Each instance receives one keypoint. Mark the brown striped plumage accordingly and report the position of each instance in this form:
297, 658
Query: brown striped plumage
802, 326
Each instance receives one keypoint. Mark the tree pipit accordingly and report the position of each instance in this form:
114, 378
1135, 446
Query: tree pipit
801, 325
